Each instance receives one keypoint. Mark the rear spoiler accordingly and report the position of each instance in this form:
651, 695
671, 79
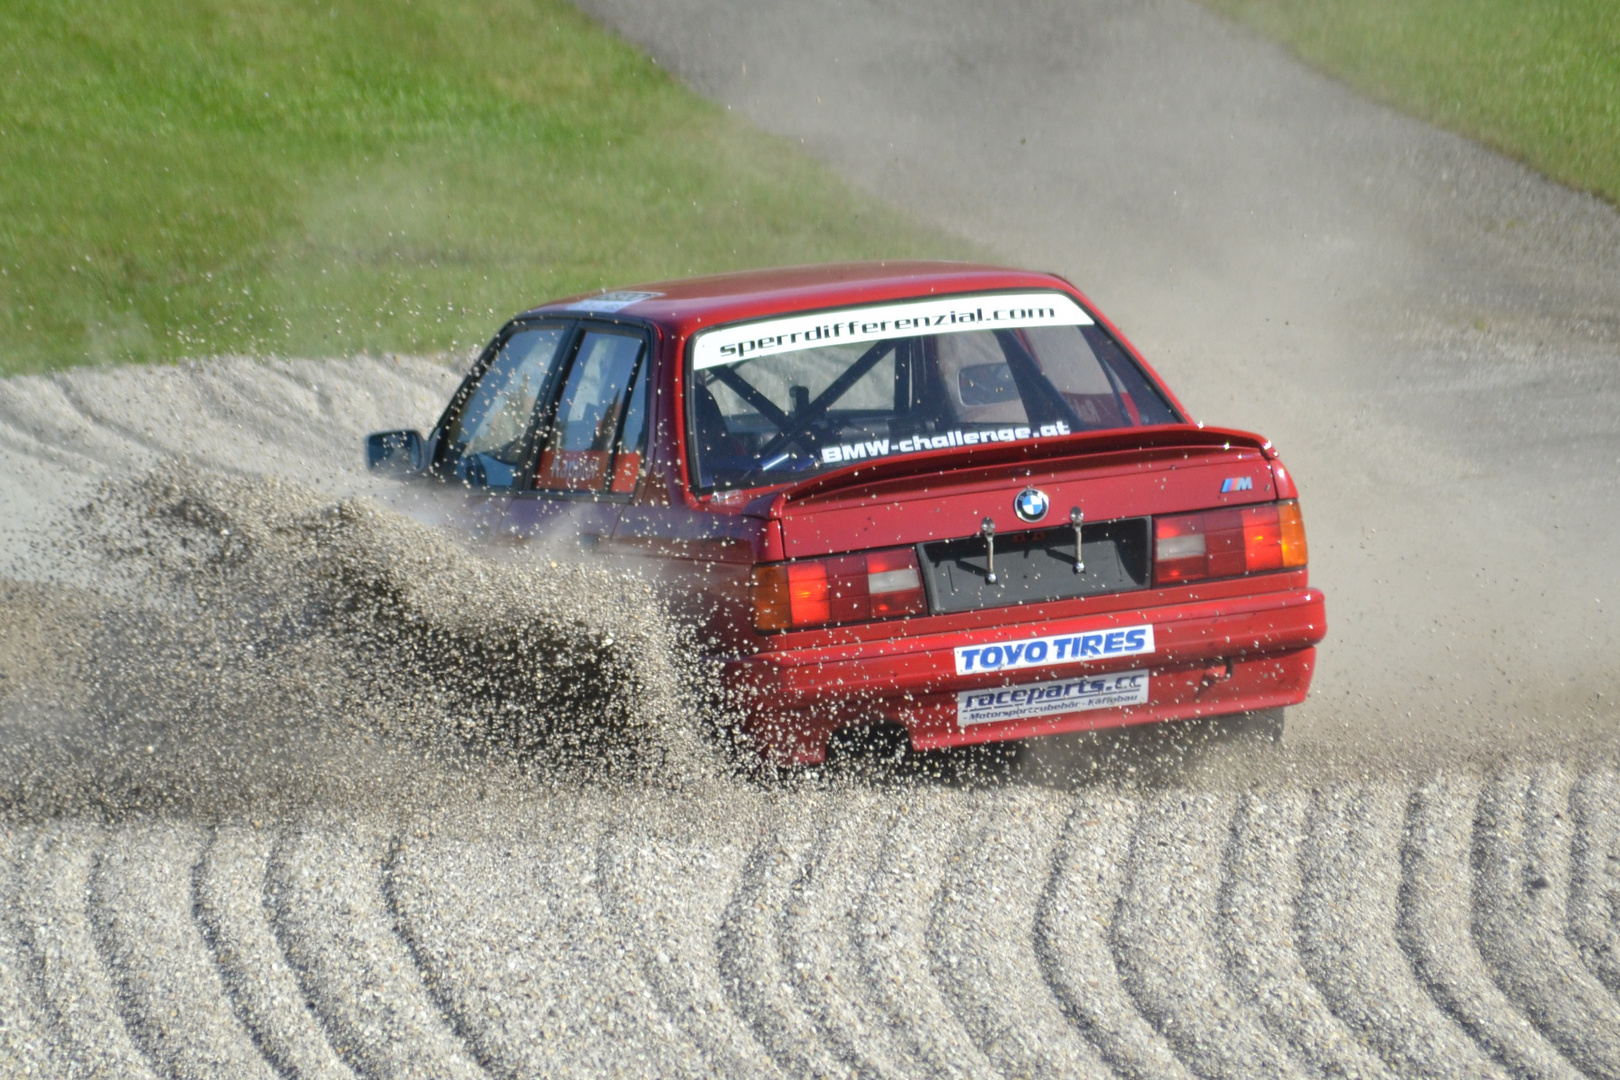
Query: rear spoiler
773, 504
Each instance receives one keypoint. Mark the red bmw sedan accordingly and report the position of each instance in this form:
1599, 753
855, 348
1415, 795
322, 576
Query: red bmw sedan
941, 496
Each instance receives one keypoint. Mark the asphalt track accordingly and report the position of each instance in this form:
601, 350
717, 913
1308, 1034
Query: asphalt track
250, 827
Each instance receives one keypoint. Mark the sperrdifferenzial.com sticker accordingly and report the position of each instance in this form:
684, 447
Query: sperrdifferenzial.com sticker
906, 318
997, 703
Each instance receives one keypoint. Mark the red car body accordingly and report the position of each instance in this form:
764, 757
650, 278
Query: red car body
1222, 637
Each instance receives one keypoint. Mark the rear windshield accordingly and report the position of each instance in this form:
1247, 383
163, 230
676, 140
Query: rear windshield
787, 398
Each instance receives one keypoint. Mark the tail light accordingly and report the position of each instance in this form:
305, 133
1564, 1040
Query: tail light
1227, 543
842, 589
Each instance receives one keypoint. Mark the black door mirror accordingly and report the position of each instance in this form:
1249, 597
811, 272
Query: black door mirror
394, 451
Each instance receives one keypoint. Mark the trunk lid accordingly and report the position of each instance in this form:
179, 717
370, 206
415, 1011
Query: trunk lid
945, 495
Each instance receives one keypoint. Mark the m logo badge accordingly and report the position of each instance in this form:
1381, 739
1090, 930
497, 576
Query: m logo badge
1237, 483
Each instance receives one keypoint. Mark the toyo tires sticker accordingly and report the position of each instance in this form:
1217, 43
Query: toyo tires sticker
1059, 649
1081, 694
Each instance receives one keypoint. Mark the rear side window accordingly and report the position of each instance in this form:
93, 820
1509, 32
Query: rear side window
593, 419
784, 399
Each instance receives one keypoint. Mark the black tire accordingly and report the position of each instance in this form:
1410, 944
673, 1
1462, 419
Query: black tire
882, 753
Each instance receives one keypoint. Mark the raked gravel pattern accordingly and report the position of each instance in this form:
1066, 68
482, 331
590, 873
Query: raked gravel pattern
1372, 930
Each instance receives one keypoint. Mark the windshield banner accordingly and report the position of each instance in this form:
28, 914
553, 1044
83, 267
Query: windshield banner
955, 314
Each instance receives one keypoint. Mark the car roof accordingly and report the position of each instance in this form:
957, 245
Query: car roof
688, 305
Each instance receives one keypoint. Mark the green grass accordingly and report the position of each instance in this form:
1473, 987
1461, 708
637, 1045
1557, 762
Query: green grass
197, 177
1536, 79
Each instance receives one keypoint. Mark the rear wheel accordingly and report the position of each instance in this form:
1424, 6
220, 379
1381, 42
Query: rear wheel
880, 746
883, 752
1157, 753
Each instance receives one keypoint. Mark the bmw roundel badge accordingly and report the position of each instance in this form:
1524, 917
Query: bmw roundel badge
1031, 504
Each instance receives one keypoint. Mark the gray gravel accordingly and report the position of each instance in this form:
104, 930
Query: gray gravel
1521, 918
172, 991
992, 891
1436, 911
1073, 929
1165, 939
356, 968
71, 978
893, 932
1260, 879
233, 912
1347, 924
659, 881
819, 928
1015, 931
28, 1046
1594, 889
753, 971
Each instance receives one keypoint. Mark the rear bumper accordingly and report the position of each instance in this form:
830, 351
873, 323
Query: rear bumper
1208, 658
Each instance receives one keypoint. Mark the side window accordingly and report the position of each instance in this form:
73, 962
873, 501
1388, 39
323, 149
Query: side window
486, 442
595, 407
1097, 379
1145, 404
633, 440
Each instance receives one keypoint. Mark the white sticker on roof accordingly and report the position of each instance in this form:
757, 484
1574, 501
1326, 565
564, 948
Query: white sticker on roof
953, 314
610, 302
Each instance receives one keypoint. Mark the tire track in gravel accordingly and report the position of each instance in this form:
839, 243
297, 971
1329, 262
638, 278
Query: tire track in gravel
1260, 885
106, 418
513, 930
437, 979
232, 911
40, 420
816, 936
1346, 924
1436, 901
891, 933
73, 984
1594, 882
753, 972
1362, 930
24, 447
994, 884
497, 939
1164, 939
27, 1045
63, 432
175, 1003
336, 931
269, 414
1522, 837
1074, 923
670, 894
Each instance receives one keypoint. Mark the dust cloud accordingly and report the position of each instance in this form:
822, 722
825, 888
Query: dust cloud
246, 643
